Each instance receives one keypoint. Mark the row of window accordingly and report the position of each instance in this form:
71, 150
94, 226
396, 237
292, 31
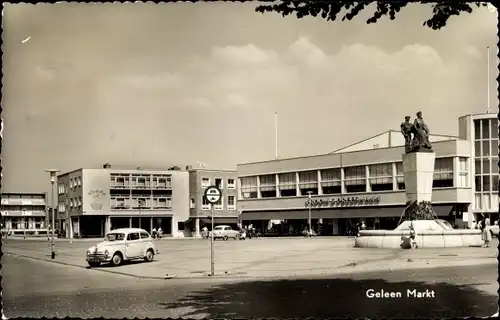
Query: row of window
485, 166
22, 208
485, 129
218, 182
486, 183
486, 148
219, 205
140, 181
140, 203
381, 177
486, 201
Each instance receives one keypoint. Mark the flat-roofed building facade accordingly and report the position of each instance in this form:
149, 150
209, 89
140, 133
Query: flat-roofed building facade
225, 211
363, 181
482, 131
95, 201
24, 212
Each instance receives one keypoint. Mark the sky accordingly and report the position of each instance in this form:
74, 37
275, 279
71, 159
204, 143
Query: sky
173, 84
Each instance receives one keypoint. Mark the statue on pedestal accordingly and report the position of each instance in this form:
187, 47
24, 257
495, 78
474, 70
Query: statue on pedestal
420, 132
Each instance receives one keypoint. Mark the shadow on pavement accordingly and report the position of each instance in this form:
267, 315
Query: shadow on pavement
321, 298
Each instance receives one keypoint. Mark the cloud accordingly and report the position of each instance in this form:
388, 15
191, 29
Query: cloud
303, 78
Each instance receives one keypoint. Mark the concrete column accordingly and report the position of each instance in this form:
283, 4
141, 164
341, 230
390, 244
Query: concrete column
297, 181
107, 225
130, 222
456, 172
150, 224
197, 228
342, 178
259, 195
394, 179
278, 194
174, 226
140, 222
335, 226
70, 227
320, 187
78, 230
367, 179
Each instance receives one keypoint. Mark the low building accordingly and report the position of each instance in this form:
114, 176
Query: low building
24, 212
225, 211
365, 181
95, 201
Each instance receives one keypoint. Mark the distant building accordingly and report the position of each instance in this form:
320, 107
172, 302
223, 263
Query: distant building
225, 211
24, 212
95, 201
364, 181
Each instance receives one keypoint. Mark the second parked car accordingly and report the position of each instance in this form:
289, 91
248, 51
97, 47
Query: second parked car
225, 232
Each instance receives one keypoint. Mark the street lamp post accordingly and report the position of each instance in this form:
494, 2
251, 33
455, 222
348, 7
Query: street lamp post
24, 223
309, 193
53, 180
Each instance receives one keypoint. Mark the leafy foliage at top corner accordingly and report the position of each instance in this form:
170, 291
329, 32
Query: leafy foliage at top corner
329, 10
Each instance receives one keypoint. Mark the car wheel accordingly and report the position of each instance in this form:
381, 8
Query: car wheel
94, 264
225, 238
116, 260
150, 255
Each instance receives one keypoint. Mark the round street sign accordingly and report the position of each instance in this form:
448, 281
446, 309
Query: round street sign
213, 194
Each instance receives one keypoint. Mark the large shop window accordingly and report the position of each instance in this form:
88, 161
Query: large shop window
355, 179
443, 173
330, 181
381, 177
400, 177
494, 128
308, 182
477, 130
268, 186
248, 187
287, 184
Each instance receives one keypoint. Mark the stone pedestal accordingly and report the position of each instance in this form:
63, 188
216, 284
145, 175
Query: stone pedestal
418, 171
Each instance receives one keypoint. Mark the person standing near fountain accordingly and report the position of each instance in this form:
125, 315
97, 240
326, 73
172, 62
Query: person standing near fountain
413, 236
486, 233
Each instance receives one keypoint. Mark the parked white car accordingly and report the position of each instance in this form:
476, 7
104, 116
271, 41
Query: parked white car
225, 232
122, 245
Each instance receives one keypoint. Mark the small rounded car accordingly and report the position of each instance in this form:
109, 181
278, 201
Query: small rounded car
224, 233
122, 245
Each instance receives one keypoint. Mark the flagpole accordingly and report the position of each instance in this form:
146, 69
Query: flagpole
488, 83
276, 135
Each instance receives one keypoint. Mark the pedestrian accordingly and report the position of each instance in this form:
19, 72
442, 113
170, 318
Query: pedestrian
486, 233
160, 232
205, 232
363, 225
496, 223
413, 237
154, 233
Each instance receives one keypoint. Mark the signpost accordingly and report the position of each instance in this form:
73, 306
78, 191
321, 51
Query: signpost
213, 195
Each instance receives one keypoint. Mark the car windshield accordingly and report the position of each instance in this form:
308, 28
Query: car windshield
115, 237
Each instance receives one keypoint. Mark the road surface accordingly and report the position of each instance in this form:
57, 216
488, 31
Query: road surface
33, 288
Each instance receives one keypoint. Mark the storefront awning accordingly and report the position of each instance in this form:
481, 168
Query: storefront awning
217, 220
362, 212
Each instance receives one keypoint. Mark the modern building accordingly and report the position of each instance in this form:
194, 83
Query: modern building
24, 212
225, 211
95, 201
364, 181
482, 131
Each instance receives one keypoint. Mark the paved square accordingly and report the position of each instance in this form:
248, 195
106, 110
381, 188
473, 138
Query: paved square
265, 257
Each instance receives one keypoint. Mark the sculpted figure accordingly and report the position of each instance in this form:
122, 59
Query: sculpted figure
420, 132
406, 130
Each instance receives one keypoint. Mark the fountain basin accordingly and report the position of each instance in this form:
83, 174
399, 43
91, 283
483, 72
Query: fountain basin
453, 238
